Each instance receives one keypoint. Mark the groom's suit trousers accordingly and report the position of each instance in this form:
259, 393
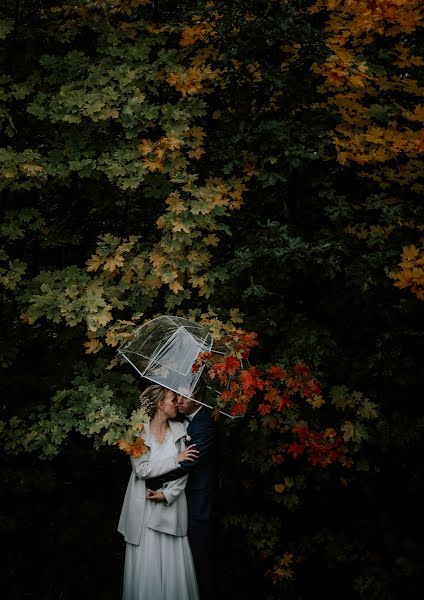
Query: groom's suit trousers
199, 490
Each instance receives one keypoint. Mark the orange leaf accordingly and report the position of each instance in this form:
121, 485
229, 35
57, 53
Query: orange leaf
246, 379
264, 409
231, 365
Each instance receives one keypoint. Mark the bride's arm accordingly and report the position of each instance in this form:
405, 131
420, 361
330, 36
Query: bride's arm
170, 491
145, 468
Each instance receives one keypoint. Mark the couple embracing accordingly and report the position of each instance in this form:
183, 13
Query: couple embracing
166, 515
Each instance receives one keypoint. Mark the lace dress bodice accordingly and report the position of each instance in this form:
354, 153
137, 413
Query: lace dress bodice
167, 448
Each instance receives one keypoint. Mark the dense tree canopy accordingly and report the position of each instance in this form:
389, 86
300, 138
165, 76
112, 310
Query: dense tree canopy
255, 167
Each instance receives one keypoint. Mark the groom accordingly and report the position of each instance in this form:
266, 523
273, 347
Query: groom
199, 491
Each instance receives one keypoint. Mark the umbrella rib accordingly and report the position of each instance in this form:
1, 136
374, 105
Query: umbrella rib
131, 363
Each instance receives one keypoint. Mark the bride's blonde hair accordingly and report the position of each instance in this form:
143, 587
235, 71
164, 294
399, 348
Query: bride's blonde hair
150, 398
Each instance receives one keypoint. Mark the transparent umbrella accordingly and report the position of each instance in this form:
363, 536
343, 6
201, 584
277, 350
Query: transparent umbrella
164, 351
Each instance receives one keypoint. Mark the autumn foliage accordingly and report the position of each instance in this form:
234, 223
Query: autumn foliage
411, 271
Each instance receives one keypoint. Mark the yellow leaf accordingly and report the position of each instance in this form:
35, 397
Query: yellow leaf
205, 291
146, 147
169, 276
27, 318
113, 262
357, 81
172, 143
316, 401
123, 445
156, 29
8, 173
159, 153
94, 262
235, 316
197, 281
347, 429
153, 165
162, 221
93, 345
279, 488
249, 17
157, 260
100, 318
197, 258
281, 572
254, 69
197, 153
191, 35
112, 363
197, 132
211, 240
180, 226
410, 253
176, 287
152, 282
175, 203
416, 115
127, 276
31, 169
104, 316
287, 559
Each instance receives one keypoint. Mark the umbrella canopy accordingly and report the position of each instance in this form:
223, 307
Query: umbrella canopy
164, 351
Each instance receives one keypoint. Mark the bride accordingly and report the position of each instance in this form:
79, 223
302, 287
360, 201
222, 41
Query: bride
158, 561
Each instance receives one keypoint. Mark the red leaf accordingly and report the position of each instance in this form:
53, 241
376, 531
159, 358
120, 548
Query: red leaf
272, 394
264, 409
226, 395
284, 402
238, 409
295, 449
246, 379
231, 365
277, 372
301, 369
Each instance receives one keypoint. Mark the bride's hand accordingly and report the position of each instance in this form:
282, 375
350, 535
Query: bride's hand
188, 454
155, 496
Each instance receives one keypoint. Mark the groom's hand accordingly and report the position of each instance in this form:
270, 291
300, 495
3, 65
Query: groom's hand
155, 496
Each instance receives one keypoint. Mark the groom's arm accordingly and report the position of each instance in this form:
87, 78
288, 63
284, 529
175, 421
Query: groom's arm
204, 439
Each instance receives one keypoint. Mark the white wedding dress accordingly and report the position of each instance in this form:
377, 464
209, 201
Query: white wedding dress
161, 567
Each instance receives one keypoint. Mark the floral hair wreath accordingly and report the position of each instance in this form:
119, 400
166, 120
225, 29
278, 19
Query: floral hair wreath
146, 403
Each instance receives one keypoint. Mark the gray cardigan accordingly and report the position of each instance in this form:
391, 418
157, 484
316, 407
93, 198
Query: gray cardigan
167, 517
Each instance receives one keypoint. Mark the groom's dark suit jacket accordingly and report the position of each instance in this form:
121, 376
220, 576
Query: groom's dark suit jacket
199, 491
